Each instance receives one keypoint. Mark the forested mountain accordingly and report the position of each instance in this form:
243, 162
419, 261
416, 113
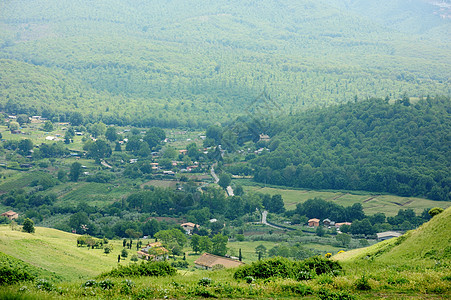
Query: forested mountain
179, 63
372, 145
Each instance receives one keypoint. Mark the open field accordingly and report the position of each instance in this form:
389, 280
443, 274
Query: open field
388, 204
160, 183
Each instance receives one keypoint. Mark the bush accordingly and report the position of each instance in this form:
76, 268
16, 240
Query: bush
285, 268
298, 289
106, 284
44, 285
204, 281
150, 268
362, 284
326, 294
90, 283
182, 264
11, 275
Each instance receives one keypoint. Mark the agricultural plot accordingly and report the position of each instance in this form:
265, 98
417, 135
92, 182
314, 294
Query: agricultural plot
388, 204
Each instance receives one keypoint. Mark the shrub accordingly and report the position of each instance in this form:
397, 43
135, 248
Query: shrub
298, 289
182, 264
106, 284
44, 285
435, 211
89, 283
11, 275
326, 294
249, 279
150, 268
204, 281
285, 268
362, 284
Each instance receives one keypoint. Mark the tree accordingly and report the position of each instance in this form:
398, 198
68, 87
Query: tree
111, 134
224, 180
48, 126
124, 253
25, 146
205, 244
320, 231
435, 211
76, 119
75, 170
277, 205
261, 251
191, 151
219, 244
99, 149
13, 125
343, 238
195, 240
171, 237
28, 225
22, 119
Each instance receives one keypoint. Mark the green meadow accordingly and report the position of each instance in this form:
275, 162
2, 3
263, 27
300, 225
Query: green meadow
388, 204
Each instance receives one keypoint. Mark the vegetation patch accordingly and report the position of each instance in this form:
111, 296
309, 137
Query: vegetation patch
149, 268
285, 268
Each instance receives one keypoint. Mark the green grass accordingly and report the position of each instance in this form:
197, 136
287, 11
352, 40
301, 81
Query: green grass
388, 204
56, 251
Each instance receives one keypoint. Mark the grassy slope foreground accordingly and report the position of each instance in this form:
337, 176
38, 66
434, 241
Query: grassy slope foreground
414, 266
57, 251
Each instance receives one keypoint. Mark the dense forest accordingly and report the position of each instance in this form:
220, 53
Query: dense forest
191, 64
372, 145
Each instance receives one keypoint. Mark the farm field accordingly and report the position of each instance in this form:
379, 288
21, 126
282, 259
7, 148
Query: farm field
388, 204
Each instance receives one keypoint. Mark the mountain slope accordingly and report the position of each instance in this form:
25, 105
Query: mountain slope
189, 63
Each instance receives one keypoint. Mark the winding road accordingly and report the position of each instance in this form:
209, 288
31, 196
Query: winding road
216, 178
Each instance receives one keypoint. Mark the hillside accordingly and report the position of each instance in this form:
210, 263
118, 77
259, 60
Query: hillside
196, 63
373, 145
54, 251
428, 245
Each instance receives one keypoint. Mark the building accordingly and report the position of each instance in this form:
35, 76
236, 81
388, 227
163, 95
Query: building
189, 227
328, 222
207, 261
10, 215
313, 222
264, 137
153, 251
338, 225
382, 236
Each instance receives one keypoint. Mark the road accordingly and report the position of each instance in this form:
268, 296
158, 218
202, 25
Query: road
216, 178
264, 214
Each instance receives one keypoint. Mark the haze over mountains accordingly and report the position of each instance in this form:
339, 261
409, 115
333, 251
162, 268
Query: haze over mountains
192, 63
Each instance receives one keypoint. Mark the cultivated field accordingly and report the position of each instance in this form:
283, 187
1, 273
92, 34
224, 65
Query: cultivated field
388, 204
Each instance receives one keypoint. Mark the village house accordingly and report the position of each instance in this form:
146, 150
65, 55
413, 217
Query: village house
153, 251
207, 261
313, 222
189, 227
382, 236
328, 223
338, 225
10, 215
264, 138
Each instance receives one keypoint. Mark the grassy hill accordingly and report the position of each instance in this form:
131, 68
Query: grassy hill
428, 245
57, 252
